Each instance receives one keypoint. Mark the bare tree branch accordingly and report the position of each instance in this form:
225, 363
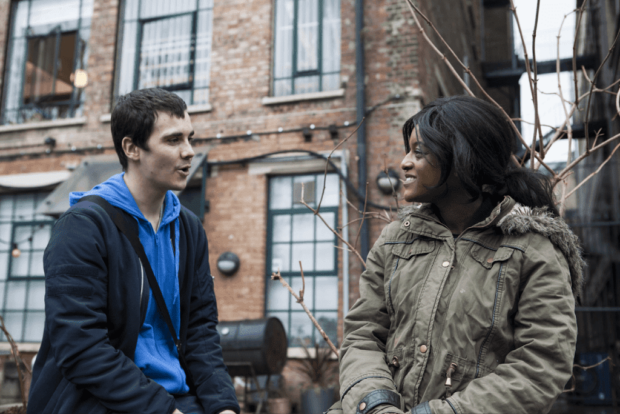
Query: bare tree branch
18, 363
277, 276
594, 173
592, 83
329, 159
577, 27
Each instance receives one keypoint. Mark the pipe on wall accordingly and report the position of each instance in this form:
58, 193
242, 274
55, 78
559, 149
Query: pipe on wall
361, 112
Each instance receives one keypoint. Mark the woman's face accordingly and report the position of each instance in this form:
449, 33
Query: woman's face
422, 173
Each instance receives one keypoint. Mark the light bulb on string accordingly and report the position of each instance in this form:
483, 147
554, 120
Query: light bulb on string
16, 252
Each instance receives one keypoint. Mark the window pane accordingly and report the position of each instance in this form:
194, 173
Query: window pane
201, 96
309, 190
307, 35
36, 295
13, 321
281, 190
35, 322
16, 295
36, 264
303, 252
41, 236
19, 265
308, 292
22, 237
331, 197
131, 9
282, 228
5, 235
128, 58
24, 207
325, 256
307, 84
282, 87
2, 286
322, 231
203, 50
301, 329
331, 82
303, 227
277, 295
331, 37
281, 258
328, 299
4, 265
283, 66
329, 323
157, 8
165, 52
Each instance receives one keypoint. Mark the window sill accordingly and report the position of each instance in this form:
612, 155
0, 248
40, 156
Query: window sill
192, 109
44, 124
22, 346
277, 100
299, 353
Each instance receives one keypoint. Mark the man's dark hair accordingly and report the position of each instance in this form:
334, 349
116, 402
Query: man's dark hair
475, 140
134, 116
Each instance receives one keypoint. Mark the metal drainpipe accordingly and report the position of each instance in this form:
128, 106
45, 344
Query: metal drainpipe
361, 111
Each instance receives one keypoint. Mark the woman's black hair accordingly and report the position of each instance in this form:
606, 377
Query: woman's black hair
475, 140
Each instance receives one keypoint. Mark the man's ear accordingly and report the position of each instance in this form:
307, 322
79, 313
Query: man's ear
131, 150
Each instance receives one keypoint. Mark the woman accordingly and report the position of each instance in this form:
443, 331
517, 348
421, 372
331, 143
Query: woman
467, 302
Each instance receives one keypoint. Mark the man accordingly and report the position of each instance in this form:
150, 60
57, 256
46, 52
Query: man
106, 347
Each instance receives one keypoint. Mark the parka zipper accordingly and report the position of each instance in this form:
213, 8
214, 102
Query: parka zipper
499, 278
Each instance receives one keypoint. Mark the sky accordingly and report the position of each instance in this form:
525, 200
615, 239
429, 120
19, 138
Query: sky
551, 15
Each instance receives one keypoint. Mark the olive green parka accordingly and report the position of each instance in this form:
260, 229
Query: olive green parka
482, 323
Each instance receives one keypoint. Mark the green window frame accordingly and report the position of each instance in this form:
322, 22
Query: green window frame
166, 45
295, 233
22, 280
307, 46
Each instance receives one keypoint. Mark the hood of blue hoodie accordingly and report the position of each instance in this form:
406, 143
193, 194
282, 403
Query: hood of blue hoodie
115, 192
156, 354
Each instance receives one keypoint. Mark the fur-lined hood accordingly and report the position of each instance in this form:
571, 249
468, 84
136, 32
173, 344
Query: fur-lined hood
522, 220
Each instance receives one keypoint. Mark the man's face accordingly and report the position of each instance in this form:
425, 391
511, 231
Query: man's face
165, 165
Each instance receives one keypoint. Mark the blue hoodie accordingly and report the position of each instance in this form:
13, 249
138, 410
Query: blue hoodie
156, 354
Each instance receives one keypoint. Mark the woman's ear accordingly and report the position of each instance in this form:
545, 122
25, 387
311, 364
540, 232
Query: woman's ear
131, 150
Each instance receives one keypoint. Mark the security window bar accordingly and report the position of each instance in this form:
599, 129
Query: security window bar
295, 234
166, 45
307, 46
23, 238
48, 44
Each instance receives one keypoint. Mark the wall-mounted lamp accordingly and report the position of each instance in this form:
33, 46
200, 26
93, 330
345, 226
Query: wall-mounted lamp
388, 182
79, 78
333, 131
307, 133
51, 141
228, 263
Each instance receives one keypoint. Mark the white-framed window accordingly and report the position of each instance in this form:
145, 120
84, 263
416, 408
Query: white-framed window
295, 234
166, 44
307, 46
48, 45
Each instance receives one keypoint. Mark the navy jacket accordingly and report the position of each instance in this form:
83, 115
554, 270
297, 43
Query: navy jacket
95, 303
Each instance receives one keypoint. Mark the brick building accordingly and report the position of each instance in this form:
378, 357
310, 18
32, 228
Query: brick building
259, 77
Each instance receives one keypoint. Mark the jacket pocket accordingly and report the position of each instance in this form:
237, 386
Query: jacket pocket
404, 253
458, 372
487, 257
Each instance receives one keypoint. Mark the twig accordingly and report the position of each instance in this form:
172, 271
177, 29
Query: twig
277, 276
303, 284
359, 231
535, 84
415, 10
609, 52
587, 368
580, 11
594, 173
329, 159
412, 7
618, 101
18, 363
330, 228
584, 155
